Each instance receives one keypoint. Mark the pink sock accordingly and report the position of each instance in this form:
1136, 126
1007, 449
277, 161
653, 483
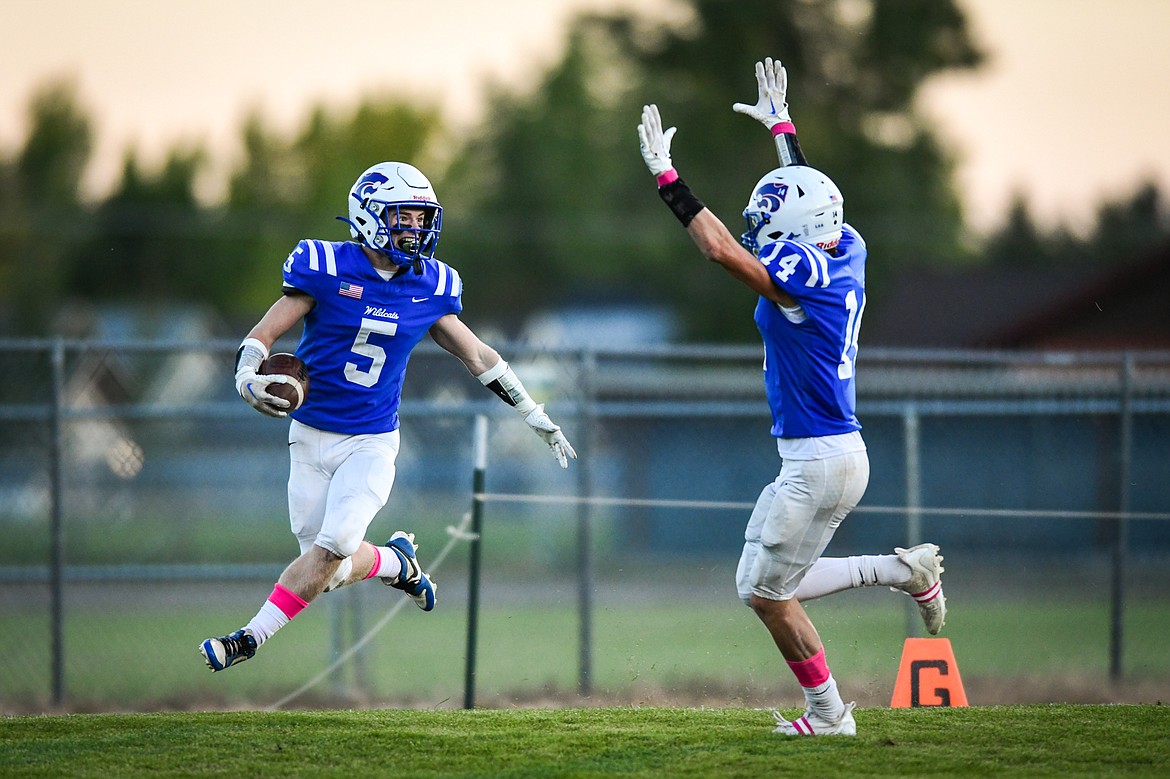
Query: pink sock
282, 605
812, 672
820, 690
289, 603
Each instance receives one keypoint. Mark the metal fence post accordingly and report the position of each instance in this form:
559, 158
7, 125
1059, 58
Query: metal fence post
479, 448
56, 520
1121, 527
584, 530
912, 436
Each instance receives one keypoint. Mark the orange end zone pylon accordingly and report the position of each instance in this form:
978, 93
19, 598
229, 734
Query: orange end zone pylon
928, 676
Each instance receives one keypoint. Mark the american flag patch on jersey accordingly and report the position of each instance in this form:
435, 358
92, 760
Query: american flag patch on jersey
350, 290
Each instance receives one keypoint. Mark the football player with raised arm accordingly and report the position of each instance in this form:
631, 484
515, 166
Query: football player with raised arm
808, 268
365, 304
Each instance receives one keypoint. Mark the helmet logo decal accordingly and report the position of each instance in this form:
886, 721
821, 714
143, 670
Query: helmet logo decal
369, 184
772, 191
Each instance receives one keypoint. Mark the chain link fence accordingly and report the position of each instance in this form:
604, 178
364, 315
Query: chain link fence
143, 508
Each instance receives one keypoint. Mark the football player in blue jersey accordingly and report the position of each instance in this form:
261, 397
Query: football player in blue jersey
808, 268
365, 304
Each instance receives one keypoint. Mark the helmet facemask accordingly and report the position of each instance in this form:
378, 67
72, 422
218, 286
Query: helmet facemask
405, 245
376, 202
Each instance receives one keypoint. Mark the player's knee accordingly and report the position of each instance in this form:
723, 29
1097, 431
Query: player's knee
343, 536
341, 575
745, 594
757, 604
344, 546
769, 576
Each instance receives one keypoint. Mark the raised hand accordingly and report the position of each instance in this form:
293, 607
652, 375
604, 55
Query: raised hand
771, 106
653, 142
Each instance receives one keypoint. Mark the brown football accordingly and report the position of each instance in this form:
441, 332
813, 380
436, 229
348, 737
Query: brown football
290, 365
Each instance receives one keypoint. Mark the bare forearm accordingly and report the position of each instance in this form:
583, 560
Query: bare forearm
719, 246
280, 318
457, 338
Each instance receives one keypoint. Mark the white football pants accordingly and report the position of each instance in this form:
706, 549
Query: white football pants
336, 484
793, 521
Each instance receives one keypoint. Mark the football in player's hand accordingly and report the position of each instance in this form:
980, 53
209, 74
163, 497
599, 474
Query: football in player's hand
285, 364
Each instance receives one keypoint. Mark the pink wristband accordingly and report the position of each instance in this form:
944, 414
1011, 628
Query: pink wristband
667, 177
783, 127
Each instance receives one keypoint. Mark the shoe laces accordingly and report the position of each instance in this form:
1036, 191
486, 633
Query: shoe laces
239, 644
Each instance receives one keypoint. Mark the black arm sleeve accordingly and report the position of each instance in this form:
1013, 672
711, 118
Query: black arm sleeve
679, 198
789, 151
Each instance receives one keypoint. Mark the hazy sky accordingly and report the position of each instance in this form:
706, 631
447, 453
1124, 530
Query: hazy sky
1072, 106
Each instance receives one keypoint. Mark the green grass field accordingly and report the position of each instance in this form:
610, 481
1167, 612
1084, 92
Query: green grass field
682, 676
690, 653
1064, 741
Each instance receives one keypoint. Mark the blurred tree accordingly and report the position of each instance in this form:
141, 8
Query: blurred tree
152, 240
286, 190
1121, 229
556, 188
41, 214
153, 243
547, 202
1018, 242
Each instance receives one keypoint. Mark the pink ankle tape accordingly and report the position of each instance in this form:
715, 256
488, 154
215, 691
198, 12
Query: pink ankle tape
377, 564
783, 127
667, 177
812, 672
289, 603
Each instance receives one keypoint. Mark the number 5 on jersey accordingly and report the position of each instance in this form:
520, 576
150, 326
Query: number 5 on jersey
377, 355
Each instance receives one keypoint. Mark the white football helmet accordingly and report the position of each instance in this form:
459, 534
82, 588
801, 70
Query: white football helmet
374, 201
795, 203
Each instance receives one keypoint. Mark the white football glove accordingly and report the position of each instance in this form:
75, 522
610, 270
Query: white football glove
653, 143
252, 386
551, 434
771, 107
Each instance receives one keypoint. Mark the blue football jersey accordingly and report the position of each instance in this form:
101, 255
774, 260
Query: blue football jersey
358, 337
809, 366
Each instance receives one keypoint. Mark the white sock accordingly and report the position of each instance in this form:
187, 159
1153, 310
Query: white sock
837, 574
884, 570
267, 621
825, 701
386, 563
826, 576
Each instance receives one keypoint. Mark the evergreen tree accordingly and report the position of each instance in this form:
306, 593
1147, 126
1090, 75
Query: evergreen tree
555, 186
42, 218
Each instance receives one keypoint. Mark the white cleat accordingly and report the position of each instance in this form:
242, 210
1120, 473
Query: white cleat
809, 724
925, 585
